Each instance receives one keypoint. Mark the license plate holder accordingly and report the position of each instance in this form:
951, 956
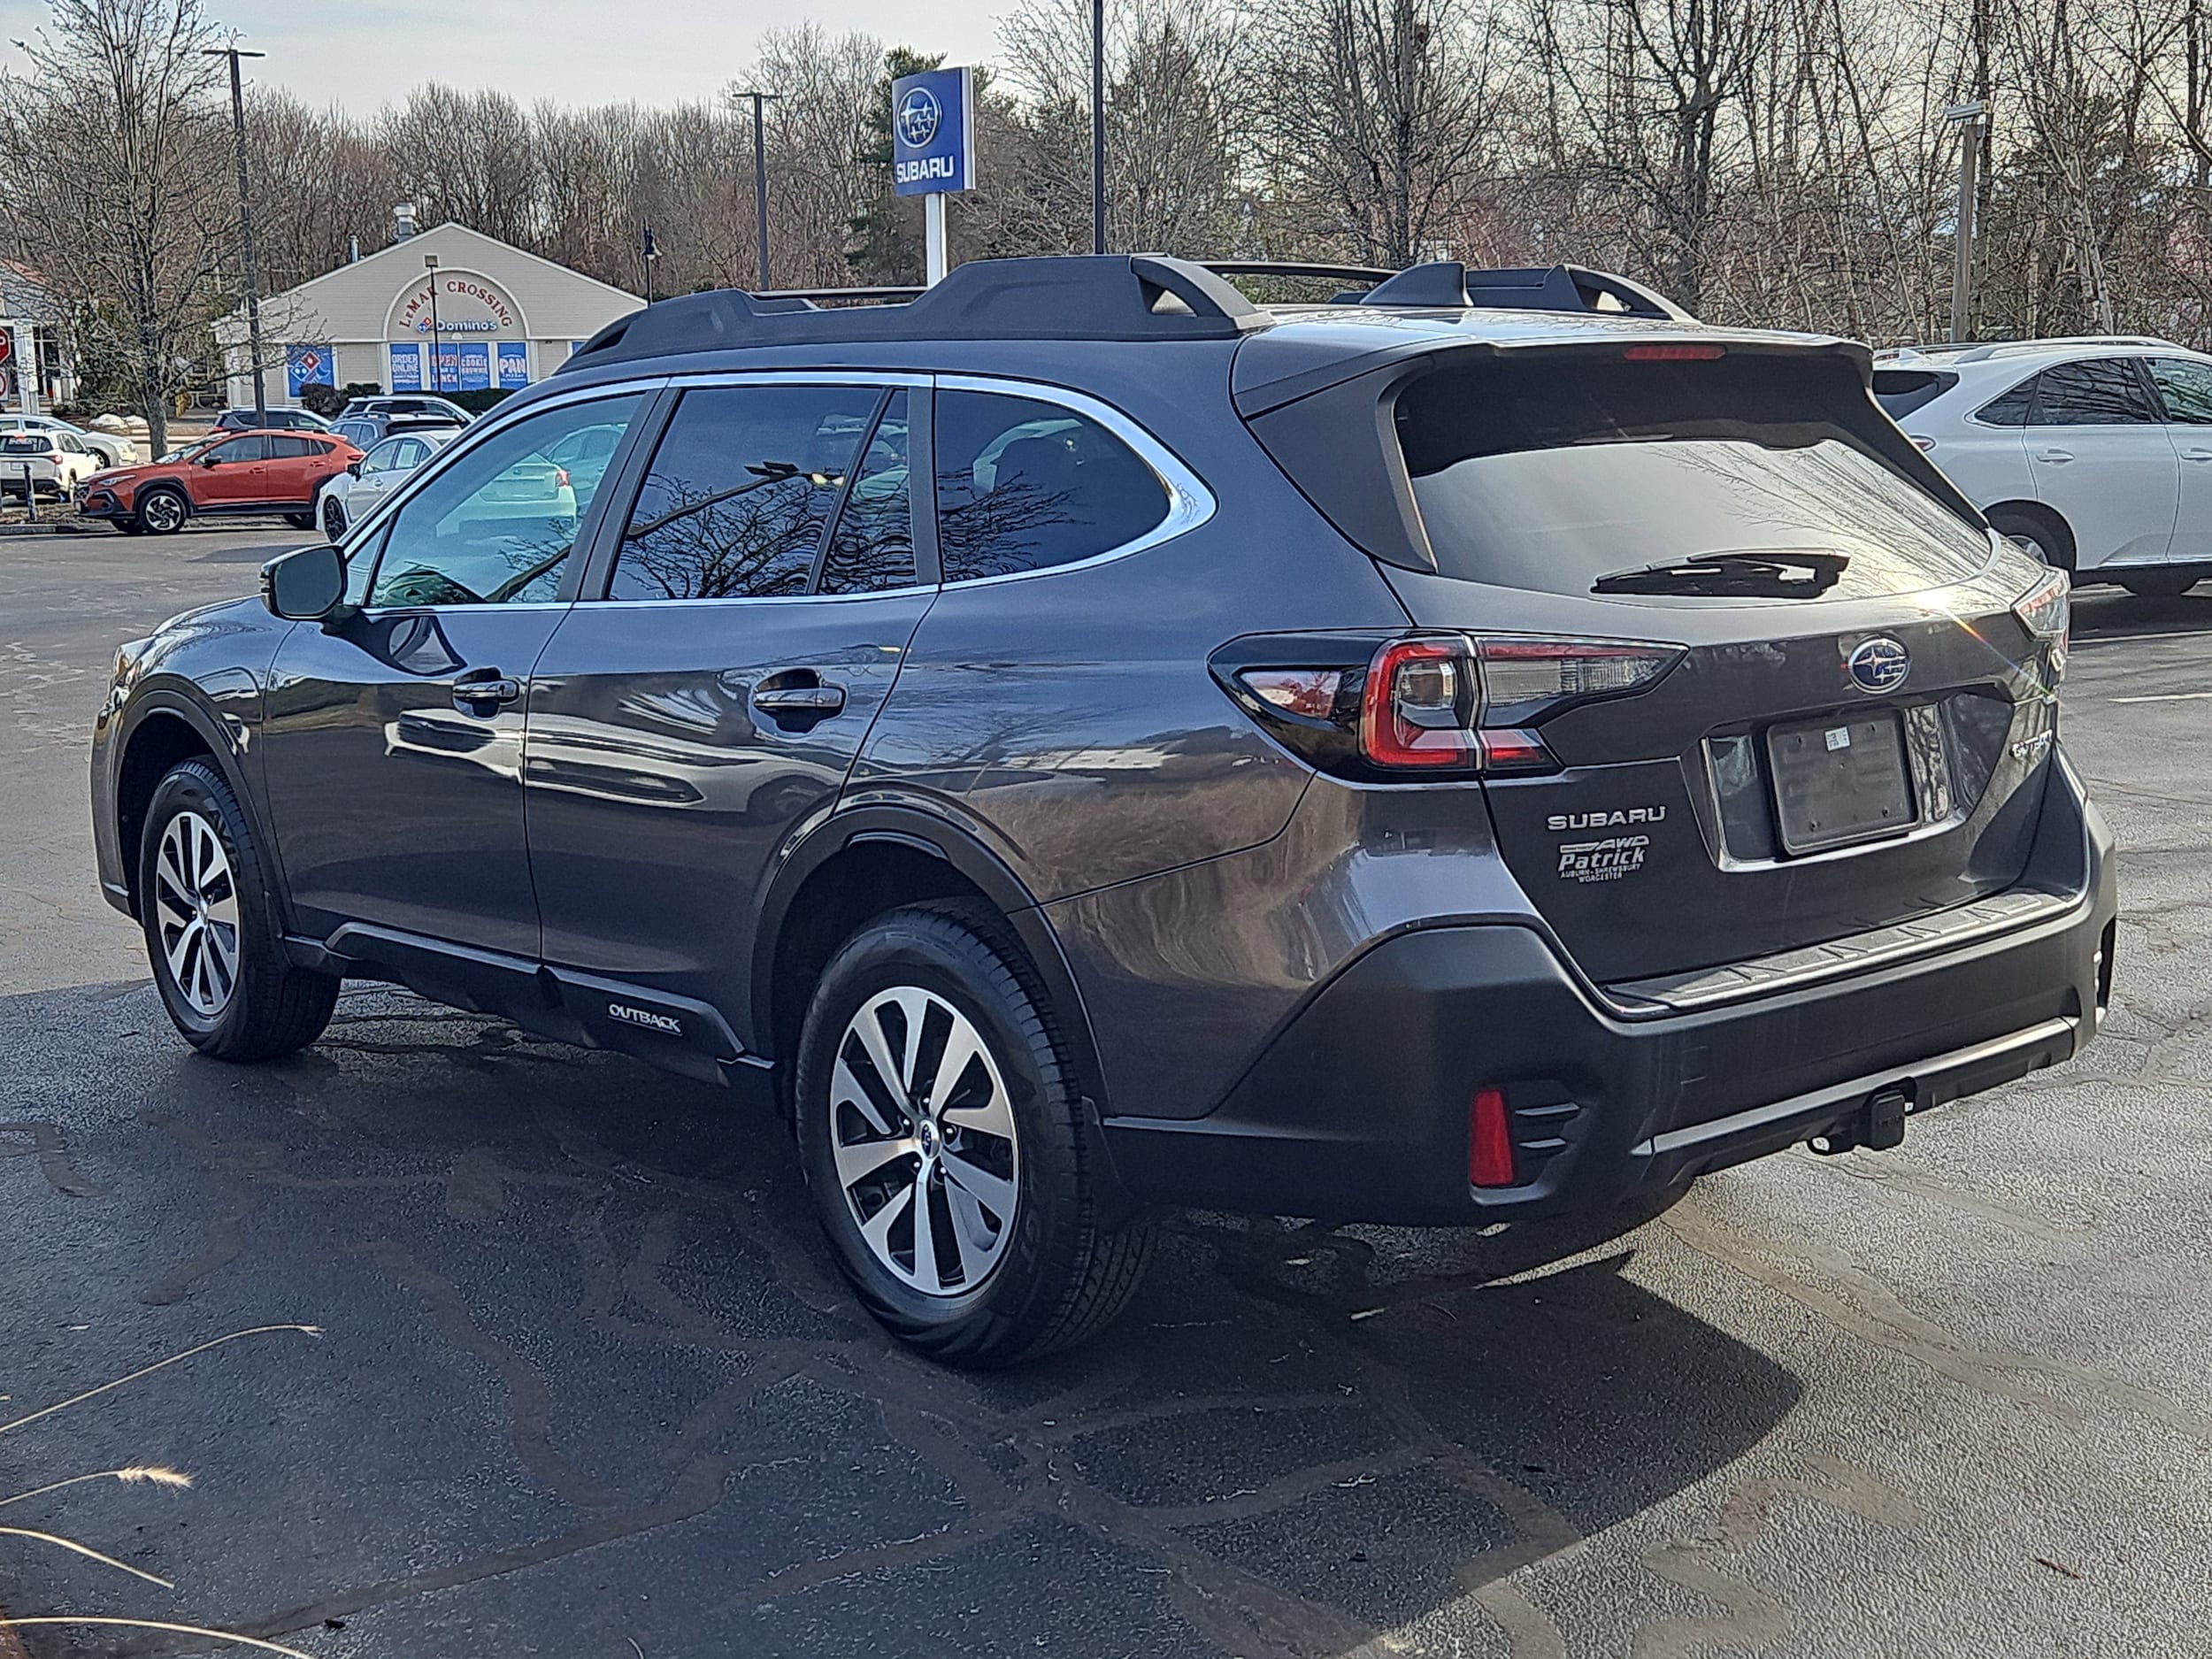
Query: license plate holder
1839, 780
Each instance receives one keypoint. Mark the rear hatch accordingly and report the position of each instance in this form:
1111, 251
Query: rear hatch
1853, 719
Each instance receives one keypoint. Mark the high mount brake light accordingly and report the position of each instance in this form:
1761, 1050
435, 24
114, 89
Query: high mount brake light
1428, 704
1674, 351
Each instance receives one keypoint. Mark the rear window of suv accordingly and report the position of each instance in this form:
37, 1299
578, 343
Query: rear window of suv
1549, 472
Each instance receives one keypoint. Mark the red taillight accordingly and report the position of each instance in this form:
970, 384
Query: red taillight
1489, 1140
560, 478
1673, 351
1418, 710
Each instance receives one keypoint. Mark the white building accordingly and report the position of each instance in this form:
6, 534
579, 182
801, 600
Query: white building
443, 310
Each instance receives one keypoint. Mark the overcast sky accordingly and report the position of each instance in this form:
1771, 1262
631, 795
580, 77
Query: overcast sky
369, 52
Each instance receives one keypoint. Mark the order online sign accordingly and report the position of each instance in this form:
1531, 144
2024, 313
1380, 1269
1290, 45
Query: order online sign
933, 132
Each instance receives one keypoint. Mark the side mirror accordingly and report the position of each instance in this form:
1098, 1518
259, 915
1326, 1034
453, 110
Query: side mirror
353, 469
211, 460
308, 585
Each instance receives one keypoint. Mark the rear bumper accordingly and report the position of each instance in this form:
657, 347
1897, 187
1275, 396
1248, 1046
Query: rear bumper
1358, 1110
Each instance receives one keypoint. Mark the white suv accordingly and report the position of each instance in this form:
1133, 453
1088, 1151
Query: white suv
2094, 454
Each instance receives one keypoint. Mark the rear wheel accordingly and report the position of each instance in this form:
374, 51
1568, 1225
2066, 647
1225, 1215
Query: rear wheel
203, 903
2036, 531
299, 520
2160, 584
333, 518
949, 1151
163, 511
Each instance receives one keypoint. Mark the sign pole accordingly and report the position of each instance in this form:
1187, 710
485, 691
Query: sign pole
26, 365
933, 235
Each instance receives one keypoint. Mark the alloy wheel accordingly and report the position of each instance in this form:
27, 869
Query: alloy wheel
923, 1135
196, 899
162, 511
334, 520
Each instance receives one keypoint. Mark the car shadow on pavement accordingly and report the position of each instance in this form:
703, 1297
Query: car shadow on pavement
587, 1378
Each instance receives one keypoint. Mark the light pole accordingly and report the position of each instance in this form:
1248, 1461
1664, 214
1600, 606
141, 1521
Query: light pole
1970, 119
437, 358
1098, 126
245, 227
760, 174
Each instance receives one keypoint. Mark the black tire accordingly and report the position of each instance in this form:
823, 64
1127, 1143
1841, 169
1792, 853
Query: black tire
273, 1007
163, 511
2160, 584
1059, 1275
299, 520
128, 526
333, 518
2037, 531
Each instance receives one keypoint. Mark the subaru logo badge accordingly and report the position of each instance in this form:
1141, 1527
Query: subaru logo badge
918, 119
1879, 664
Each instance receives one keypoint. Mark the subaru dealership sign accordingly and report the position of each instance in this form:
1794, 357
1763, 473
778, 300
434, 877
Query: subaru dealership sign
933, 132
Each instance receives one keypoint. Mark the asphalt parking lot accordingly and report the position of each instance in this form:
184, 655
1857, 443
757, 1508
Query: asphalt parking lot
587, 1385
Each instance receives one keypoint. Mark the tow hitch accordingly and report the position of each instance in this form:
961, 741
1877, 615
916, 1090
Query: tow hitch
1877, 1125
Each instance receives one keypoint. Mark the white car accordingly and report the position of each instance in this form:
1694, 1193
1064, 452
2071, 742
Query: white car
52, 463
2095, 455
353, 495
111, 450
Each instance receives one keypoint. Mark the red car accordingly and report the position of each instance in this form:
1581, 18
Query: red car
229, 474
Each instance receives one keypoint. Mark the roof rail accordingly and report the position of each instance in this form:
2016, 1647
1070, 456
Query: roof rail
1098, 296
2023, 347
1447, 283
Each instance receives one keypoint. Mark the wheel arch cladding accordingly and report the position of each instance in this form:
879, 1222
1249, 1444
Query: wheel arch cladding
158, 740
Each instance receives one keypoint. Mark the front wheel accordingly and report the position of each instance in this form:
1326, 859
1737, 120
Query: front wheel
163, 512
950, 1153
205, 903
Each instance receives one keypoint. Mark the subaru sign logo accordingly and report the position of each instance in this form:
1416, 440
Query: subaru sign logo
932, 133
918, 117
1879, 664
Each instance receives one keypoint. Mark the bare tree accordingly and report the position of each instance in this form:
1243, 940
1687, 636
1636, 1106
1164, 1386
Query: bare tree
116, 186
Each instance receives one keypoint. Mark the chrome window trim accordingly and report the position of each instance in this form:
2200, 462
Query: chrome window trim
1190, 504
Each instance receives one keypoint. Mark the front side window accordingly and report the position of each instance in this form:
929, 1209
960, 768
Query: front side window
2186, 387
239, 449
2103, 392
497, 526
383, 459
740, 490
1024, 485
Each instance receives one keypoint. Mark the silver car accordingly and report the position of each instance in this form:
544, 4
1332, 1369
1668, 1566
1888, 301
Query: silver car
355, 493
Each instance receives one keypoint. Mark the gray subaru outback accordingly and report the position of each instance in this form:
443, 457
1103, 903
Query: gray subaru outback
1076, 741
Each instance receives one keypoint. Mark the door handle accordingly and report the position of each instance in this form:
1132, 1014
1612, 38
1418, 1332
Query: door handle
798, 694
2059, 457
2196, 455
490, 686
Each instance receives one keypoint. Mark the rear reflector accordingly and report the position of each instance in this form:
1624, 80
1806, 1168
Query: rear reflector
1489, 1142
1673, 351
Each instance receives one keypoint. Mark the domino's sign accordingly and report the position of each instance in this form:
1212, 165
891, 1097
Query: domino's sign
933, 132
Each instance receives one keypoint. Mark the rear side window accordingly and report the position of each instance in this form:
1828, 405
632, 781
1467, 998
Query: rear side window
292, 449
1901, 391
740, 491
2105, 392
1548, 475
1024, 485
2186, 387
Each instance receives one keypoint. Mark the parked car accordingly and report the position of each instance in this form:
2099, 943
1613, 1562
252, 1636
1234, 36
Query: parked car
368, 430
109, 449
349, 496
1416, 761
49, 463
233, 473
407, 406
272, 420
2095, 455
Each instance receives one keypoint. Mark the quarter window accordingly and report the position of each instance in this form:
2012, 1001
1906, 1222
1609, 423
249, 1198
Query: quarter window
1024, 485
2011, 409
2104, 392
2186, 388
740, 491
497, 525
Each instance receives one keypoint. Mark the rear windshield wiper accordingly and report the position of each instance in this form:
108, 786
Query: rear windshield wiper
1780, 575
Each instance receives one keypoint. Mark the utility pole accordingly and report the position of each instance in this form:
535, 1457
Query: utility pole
437, 357
760, 175
245, 227
1098, 126
1969, 119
